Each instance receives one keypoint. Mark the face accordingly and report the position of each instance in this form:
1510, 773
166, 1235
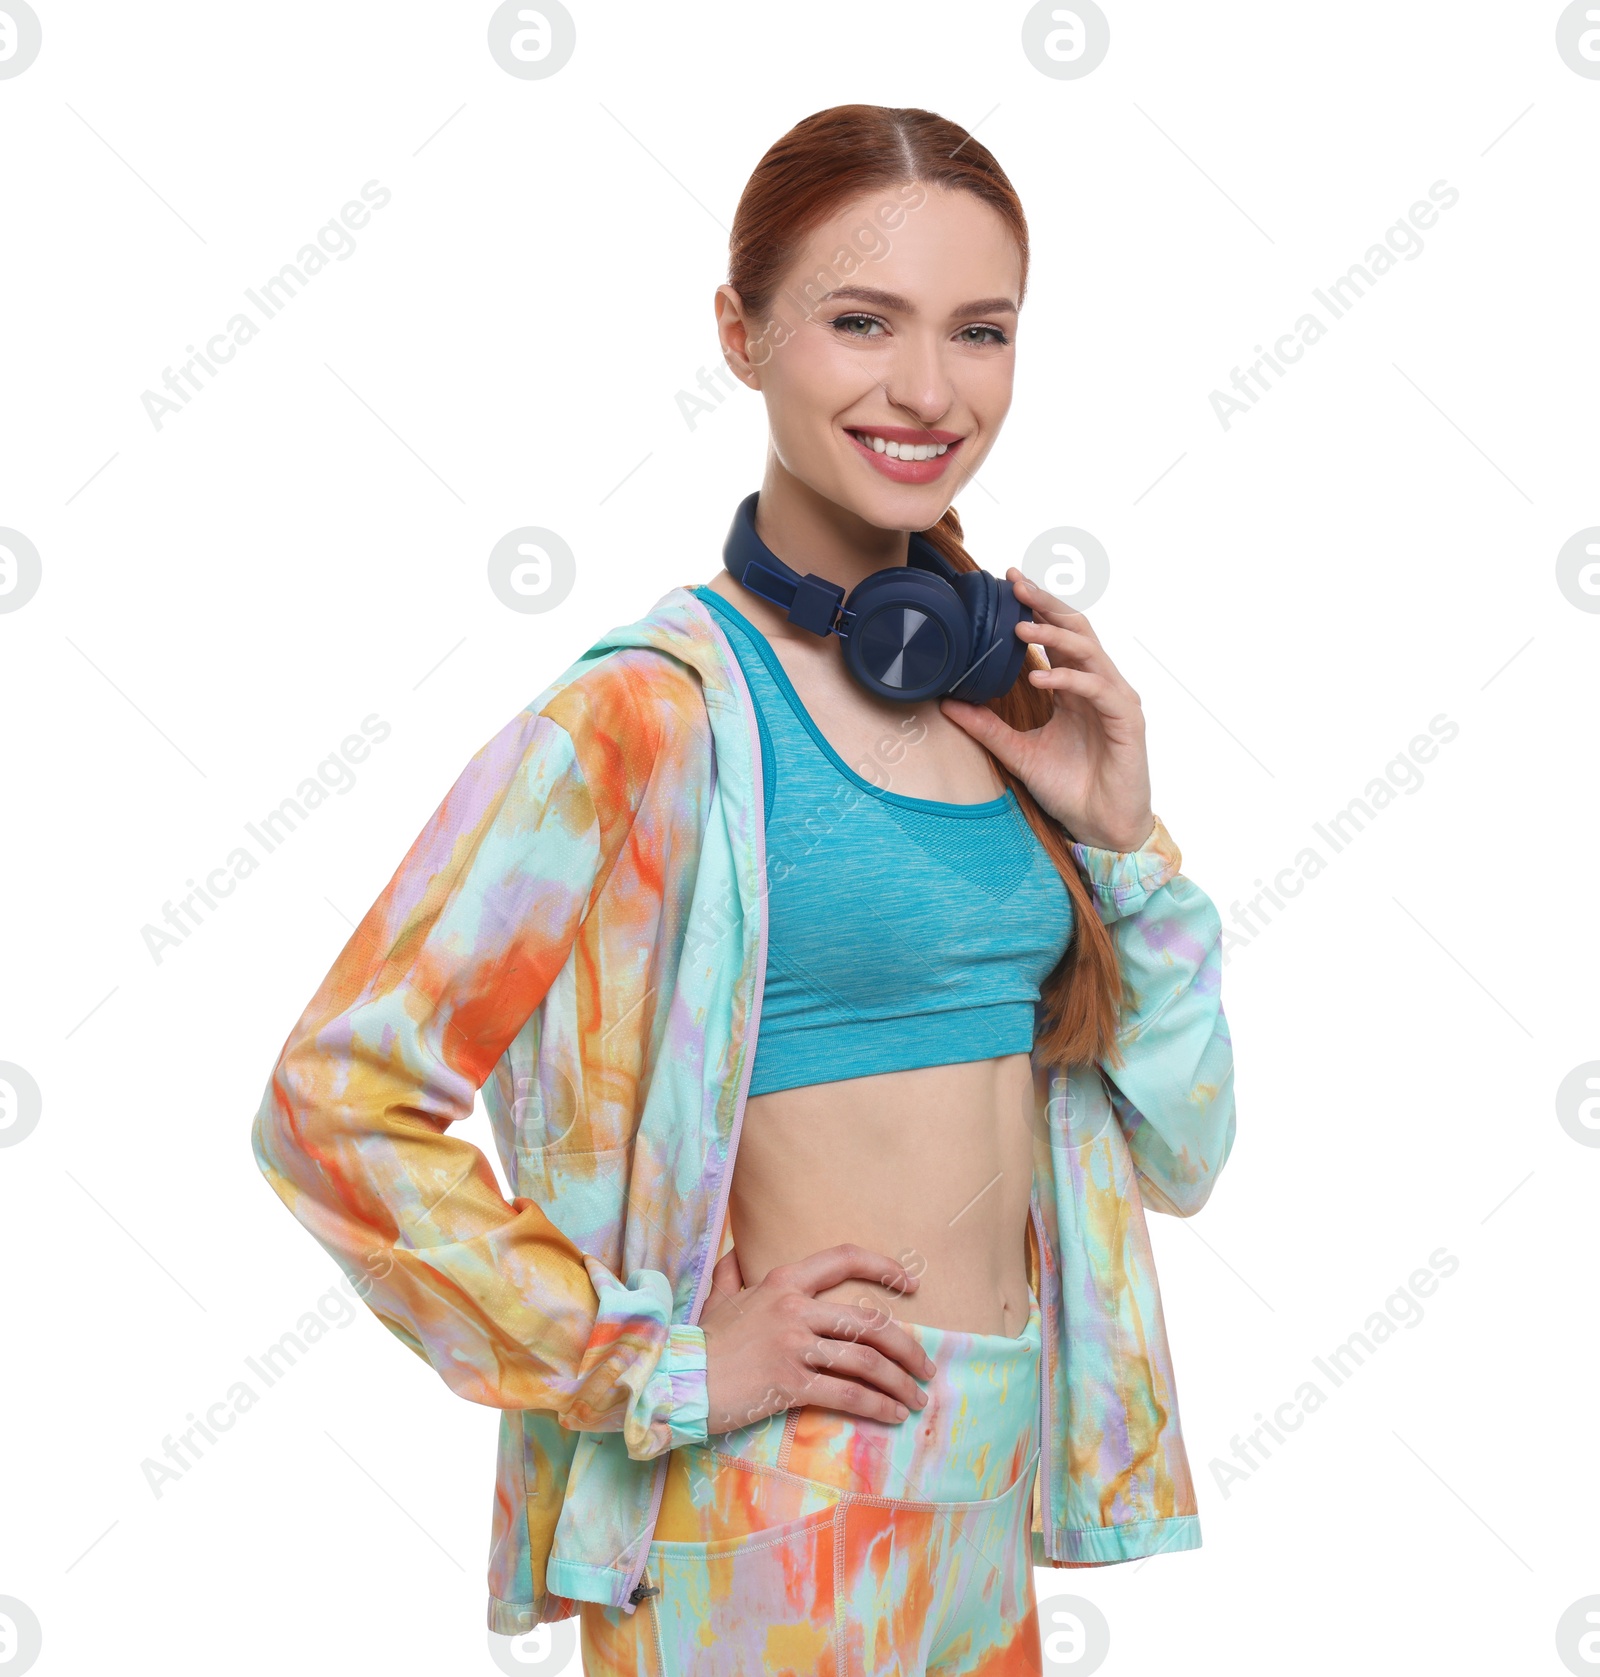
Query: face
886, 358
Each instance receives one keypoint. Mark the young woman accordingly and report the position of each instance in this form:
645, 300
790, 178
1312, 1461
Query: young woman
833, 1040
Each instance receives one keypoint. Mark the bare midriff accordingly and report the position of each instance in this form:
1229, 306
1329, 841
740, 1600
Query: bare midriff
933, 1167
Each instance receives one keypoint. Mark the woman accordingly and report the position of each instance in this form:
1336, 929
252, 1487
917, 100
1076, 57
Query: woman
832, 1042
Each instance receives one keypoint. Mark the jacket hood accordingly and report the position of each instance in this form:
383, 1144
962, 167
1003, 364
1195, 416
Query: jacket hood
681, 626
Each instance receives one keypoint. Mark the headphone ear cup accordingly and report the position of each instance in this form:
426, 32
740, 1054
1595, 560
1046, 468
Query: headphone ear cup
1011, 612
986, 600
981, 601
994, 611
911, 634
975, 602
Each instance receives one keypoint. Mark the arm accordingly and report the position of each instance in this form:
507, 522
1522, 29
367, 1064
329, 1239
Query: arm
1173, 1092
353, 1132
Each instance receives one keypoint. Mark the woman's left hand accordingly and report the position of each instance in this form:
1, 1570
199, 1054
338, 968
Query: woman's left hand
1087, 765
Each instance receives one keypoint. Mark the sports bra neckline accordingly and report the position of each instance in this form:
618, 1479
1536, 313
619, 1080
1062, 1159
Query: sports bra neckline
932, 806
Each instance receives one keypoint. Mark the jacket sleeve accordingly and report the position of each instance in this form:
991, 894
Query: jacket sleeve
1173, 1092
354, 1130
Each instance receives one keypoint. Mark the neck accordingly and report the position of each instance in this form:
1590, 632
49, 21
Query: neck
808, 532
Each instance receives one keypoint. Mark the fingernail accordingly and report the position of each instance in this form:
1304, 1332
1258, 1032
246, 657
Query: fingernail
899, 1411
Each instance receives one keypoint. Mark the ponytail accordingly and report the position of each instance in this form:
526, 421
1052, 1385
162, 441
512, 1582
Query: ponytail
1082, 995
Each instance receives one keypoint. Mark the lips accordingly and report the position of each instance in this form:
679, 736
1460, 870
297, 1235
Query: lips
905, 439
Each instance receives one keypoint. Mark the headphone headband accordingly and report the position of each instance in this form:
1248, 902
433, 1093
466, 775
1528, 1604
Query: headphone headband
908, 631
810, 601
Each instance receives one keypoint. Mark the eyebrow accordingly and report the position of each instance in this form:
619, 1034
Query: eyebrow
893, 300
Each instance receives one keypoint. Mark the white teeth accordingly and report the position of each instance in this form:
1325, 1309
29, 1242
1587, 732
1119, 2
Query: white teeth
904, 451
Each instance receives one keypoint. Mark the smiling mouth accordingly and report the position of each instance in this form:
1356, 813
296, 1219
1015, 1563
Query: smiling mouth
904, 455
899, 445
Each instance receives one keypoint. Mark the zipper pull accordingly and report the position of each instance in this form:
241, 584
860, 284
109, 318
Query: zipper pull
642, 1591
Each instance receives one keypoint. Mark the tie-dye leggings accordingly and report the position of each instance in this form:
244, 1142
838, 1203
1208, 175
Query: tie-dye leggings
820, 1544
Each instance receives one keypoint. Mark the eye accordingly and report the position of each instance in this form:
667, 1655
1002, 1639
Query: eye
986, 335
857, 325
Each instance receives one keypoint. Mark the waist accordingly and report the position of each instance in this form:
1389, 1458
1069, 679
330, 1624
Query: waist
931, 1167
972, 1441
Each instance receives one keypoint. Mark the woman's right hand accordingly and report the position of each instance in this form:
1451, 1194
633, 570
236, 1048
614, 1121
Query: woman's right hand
775, 1345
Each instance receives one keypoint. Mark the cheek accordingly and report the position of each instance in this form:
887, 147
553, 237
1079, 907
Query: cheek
807, 386
990, 392
988, 396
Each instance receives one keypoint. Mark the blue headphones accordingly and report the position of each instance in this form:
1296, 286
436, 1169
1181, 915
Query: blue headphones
909, 632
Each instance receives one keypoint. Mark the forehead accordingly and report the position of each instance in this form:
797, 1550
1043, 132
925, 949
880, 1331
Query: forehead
935, 246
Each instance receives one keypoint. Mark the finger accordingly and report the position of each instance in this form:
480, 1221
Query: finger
978, 720
989, 730
848, 1321
1043, 604
1108, 697
844, 1262
829, 1392
861, 1363
1062, 641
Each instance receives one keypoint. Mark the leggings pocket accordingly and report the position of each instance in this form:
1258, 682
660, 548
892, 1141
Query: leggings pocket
710, 1497
847, 1582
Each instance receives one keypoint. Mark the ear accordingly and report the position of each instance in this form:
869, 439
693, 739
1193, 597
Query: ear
742, 348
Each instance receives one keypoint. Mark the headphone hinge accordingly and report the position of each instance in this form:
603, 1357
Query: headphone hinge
816, 603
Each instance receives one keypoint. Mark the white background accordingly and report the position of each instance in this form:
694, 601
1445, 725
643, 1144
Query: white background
224, 598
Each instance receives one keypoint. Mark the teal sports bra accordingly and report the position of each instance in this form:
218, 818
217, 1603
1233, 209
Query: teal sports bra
901, 932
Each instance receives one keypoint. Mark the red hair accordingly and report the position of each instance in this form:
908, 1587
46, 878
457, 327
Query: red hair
822, 164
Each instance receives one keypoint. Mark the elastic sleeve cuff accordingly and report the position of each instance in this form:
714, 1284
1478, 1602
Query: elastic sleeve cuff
684, 1365
1123, 880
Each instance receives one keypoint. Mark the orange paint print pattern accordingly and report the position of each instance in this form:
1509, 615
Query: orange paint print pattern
579, 936
820, 1544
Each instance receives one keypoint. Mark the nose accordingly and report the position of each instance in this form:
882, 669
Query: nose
919, 380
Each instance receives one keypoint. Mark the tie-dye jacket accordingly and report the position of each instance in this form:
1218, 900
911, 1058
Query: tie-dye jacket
580, 931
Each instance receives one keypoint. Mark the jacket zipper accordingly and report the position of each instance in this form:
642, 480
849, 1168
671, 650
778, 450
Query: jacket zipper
759, 822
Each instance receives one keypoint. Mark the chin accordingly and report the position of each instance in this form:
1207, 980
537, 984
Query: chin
889, 506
